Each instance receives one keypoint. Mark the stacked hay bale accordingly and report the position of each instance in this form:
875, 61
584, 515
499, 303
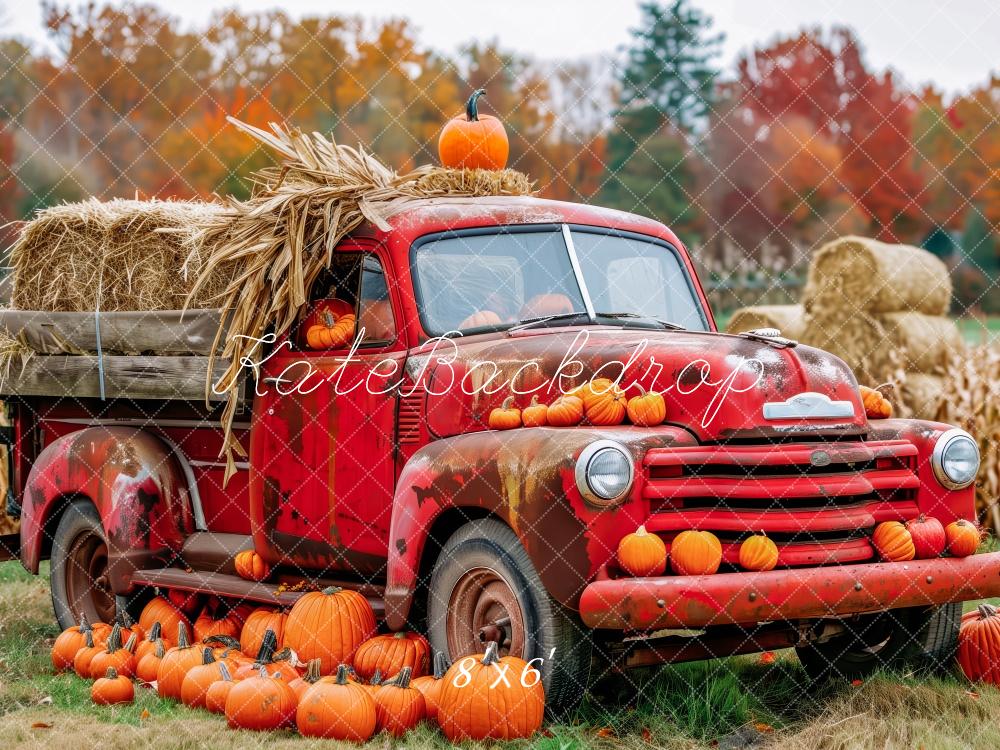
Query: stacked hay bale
879, 307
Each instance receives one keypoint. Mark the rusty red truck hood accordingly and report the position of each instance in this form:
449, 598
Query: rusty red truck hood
718, 386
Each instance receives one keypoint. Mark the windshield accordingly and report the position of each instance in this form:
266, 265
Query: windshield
489, 281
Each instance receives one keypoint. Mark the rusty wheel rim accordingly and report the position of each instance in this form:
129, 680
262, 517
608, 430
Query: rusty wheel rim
484, 608
88, 588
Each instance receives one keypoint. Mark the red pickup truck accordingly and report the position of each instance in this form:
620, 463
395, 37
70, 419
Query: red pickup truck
372, 466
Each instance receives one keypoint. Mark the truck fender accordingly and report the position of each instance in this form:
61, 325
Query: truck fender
136, 482
525, 478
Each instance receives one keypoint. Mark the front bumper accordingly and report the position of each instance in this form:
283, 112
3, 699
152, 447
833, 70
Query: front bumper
643, 604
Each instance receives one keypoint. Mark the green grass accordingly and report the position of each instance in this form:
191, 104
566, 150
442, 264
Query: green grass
726, 702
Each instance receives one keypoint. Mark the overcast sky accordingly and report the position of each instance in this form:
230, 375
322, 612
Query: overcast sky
954, 44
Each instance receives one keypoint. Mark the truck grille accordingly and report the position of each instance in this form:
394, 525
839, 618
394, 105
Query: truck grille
817, 501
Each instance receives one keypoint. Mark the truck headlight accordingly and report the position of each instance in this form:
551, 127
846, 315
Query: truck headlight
955, 459
604, 473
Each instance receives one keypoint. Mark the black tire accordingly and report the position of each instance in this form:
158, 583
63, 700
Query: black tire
921, 638
77, 550
548, 628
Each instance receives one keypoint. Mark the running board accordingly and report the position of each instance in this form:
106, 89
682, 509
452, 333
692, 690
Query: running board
225, 585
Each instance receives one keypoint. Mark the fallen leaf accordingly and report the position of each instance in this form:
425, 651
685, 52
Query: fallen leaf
647, 736
763, 728
144, 714
857, 683
41, 725
972, 694
605, 732
767, 657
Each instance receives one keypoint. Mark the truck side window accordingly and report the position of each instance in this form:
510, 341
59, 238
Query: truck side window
375, 308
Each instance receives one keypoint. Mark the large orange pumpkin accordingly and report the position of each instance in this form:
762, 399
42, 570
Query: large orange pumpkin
695, 553
430, 685
757, 552
68, 643
175, 664
257, 624
474, 141
329, 625
979, 645
475, 705
962, 538
893, 542
168, 615
642, 554
337, 709
604, 402
391, 653
260, 703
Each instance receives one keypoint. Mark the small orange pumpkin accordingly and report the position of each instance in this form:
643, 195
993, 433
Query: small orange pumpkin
399, 706
216, 619
474, 141
86, 654
648, 409
565, 411
331, 332
148, 644
112, 689
695, 553
169, 615
68, 643
505, 417
115, 654
876, 405
149, 665
642, 554
893, 542
962, 538
257, 624
250, 566
757, 552
535, 414
604, 402
175, 664
391, 653
300, 684
480, 319
277, 662
218, 691
430, 685
197, 681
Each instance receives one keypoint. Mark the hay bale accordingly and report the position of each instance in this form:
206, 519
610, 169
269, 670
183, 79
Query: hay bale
858, 274
920, 395
924, 342
789, 319
857, 338
118, 255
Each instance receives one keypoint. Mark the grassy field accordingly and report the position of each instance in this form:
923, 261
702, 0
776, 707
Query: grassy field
732, 703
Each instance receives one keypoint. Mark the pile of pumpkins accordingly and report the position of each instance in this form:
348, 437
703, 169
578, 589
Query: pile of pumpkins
601, 402
243, 662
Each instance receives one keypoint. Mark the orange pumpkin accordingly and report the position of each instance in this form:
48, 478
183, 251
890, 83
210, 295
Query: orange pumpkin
535, 414
893, 542
648, 409
329, 625
277, 662
642, 554
148, 667
695, 553
505, 417
475, 705
112, 689
604, 402
876, 405
430, 685
148, 644
331, 332
391, 653
962, 538
399, 706
300, 684
544, 305
175, 664
474, 141
251, 566
565, 411
167, 614
115, 654
68, 643
218, 691
928, 536
216, 619
260, 703
979, 645
86, 654
257, 624
319, 309
197, 681
757, 552
337, 709
480, 319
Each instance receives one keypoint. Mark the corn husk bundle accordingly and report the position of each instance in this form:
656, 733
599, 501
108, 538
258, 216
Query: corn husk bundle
283, 237
970, 399
866, 275
789, 319
114, 256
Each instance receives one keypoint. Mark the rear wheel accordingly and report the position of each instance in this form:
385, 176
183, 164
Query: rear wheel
921, 637
485, 588
79, 567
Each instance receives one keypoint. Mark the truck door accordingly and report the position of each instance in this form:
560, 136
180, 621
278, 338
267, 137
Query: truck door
322, 449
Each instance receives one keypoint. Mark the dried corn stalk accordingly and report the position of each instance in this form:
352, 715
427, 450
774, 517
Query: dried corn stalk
284, 236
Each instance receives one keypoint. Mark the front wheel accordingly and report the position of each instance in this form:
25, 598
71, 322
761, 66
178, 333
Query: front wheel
79, 567
485, 588
921, 637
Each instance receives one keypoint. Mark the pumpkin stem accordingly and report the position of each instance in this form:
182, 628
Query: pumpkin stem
641, 531
182, 636
224, 674
284, 655
226, 641
161, 650
111, 674
89, 638
376, 678
265, 654
84, 623
207, 657
312, 671
154, 632
331, 590
492, 655
115, 639
262, 671
987, 610
328, 319
131, 643
534, 400
472, 106
402, 680
507, 403
440, 665
341, 673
